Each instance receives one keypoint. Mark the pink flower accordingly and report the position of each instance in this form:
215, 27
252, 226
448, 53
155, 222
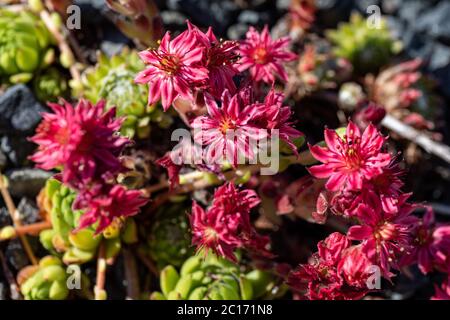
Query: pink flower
173, 69
371, 113
105, 203
442, 293
226, 226
274, 116
173, 169
384, 236
332, 247
387, 185
431, 245
302, 13
320, 279
317, 281
82, 141
355, 267
219, 58
227, 131
264, 56
351, 159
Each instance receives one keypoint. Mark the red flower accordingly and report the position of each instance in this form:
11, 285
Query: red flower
105, 203
387, 185
332, 247
82, 141
320, 279
384, 236
228, 131
442, 293
351, 159
226, 226
219, 58
431, 245
355, 267
173, 169
274, 116
173, 69
372, 113
264, 56
302, 13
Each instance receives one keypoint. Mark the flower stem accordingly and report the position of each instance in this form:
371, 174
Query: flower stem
29, 229
131, 274
15, 216
99, 289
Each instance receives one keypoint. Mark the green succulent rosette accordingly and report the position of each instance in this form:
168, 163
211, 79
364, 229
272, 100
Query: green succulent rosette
24, 45
47, 282
169, 240
80, 246
112, 79
368, 47
50, 85
211, 278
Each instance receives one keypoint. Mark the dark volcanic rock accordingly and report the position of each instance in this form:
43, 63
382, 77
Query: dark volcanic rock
3, 160
435, 21
237, 31
390, 6
219, 14
254, 18
330, 12
439, 65
15, 255
173, 20
5, 218
283, 4
113, 42
410, 10
362, 5
19, 111
26, 182
29, 212
17, 149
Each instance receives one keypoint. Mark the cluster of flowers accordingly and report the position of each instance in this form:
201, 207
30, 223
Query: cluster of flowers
225, 226
83, 142
364, 185
196, 63
236, 127
237, 131
197, 67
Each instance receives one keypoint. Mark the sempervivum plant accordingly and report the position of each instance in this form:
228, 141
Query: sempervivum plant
317, 68
406, 93
112, 79
212, 278
75, 246
368, 47
24, 45
47, 281
50, 85
169, 240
